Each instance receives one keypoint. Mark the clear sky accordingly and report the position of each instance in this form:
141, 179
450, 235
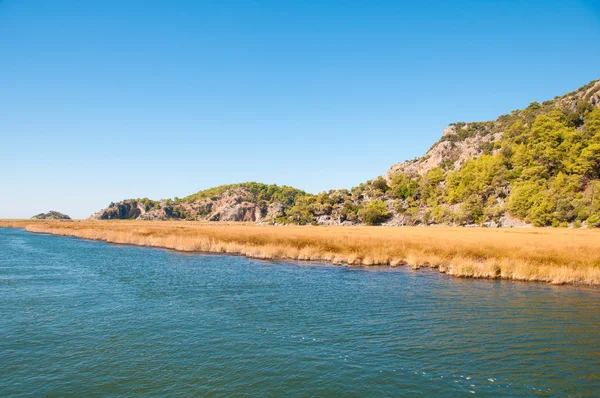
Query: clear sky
106, 100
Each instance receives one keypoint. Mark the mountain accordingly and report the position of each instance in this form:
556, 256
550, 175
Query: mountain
536, 166
51, 215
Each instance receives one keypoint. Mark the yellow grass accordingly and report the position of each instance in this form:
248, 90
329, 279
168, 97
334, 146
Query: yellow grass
552, 255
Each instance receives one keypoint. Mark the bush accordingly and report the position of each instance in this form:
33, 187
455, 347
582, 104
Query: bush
374, 212
404, 186
381, 184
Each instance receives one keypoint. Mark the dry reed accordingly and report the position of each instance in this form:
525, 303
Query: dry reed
557, 256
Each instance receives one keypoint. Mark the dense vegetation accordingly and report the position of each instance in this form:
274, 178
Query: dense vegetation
540, 165
545, 170
256, 193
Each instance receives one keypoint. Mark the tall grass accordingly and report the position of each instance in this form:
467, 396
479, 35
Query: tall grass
552, 255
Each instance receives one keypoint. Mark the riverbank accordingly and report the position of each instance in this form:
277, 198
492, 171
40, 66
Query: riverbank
559, 256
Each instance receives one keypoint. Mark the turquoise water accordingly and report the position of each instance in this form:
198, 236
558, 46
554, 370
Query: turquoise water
88, 318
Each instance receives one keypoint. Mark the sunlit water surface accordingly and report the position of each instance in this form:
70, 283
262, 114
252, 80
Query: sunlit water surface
80, 317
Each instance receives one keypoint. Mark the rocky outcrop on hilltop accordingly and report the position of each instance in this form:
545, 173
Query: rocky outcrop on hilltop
451, 152
51, 215
461, 142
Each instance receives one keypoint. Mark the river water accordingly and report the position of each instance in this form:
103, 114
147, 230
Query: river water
86, 318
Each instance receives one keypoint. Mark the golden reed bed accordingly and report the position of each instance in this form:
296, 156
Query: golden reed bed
551, 255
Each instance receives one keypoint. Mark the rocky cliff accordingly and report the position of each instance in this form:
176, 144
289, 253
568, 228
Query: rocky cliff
239, 202
124, 210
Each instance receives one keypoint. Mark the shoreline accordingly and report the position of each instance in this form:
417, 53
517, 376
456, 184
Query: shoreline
542, 255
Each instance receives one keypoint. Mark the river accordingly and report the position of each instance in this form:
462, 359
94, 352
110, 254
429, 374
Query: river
86, 318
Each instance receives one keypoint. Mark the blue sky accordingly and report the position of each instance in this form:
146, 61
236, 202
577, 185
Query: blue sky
106, 100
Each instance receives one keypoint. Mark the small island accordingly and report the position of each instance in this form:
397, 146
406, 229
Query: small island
51, 215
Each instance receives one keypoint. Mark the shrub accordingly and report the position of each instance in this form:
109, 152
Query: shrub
374, 212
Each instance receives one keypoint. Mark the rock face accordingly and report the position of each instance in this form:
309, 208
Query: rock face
51, 215
234, 204
449, 150
127, 209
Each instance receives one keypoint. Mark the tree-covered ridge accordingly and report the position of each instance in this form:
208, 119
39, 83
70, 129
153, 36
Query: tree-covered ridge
539, 165
544, 172
256, 192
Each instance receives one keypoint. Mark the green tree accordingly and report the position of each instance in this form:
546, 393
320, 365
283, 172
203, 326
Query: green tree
403, 185
374, 212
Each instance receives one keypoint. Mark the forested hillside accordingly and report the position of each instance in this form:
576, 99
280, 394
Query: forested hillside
537, 166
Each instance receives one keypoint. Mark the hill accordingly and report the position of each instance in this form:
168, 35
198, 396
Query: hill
536, 166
